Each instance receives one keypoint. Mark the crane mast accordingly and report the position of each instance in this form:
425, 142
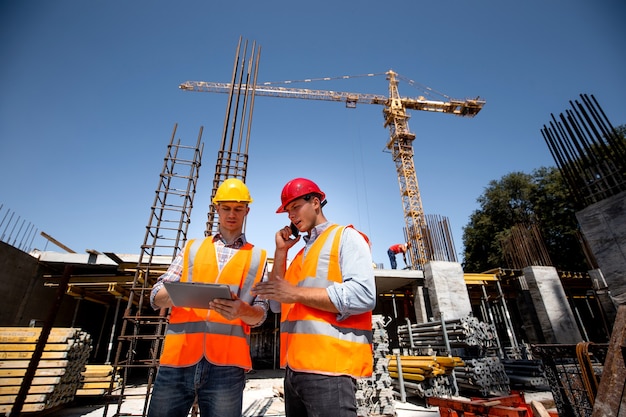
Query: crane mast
400, 141
401, 146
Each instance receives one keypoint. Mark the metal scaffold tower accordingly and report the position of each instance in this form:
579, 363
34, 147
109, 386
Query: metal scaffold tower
143, 329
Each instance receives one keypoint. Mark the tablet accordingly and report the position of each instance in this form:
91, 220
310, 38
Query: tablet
196, 294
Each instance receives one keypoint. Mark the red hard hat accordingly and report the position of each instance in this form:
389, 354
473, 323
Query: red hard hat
296, 188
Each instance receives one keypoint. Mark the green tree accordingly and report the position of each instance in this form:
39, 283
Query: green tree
520, 198
556, 216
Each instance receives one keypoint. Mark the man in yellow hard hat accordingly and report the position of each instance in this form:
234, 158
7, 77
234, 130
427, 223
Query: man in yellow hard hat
207, 351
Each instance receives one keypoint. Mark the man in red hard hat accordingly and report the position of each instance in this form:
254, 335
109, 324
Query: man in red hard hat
326, 300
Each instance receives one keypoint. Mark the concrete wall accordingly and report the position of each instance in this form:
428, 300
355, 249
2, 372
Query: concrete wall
24, 296
604, 226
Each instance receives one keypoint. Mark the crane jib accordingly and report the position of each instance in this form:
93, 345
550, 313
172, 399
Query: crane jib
468, 108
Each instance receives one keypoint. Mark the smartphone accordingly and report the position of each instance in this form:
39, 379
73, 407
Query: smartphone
294, 230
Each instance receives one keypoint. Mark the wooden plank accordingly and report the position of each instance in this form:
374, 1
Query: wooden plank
89, 385
30, 347
28, 355
26, 408
89, 392
538, 409
44, 380
95, 367
40, 372
36, 331
17, 364
32, 339
96, 379
35, 398
34, 389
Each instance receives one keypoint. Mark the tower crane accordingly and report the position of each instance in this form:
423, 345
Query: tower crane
400, 141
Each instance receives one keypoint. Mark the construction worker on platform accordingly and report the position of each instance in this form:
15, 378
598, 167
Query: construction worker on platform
396, 249
326, 299
206, 352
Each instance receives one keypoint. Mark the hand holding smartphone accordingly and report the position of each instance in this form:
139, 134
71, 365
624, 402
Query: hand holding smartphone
294, 230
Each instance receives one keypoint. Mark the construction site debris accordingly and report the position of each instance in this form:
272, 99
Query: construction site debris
510, 406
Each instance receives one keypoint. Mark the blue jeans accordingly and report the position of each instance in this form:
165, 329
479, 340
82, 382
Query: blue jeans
392, 258
219, 390
316, 395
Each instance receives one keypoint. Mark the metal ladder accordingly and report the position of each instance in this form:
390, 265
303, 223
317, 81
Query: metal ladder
143, 329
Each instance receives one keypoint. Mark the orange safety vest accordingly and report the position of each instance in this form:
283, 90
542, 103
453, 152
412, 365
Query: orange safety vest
194, 332
312, 340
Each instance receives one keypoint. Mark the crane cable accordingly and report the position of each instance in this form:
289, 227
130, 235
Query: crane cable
427, 91
307, 80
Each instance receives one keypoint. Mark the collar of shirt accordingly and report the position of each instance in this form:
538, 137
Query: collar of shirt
236, 244
313, 234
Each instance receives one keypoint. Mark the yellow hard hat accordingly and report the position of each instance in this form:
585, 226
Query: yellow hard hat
232, 189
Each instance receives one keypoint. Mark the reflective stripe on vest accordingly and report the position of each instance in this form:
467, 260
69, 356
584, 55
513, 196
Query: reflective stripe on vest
193, 333
313, 340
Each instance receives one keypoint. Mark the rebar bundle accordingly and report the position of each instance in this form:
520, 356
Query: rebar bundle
525, 247
588, 150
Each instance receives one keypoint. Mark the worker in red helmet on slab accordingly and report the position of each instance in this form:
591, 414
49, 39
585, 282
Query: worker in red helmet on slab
396, 249
326, 300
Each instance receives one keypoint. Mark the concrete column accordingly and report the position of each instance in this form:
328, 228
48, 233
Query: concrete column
553, 311
447, 290
604, 226
419, 304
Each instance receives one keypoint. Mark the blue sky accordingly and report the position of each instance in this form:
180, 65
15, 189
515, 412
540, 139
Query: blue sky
89, 98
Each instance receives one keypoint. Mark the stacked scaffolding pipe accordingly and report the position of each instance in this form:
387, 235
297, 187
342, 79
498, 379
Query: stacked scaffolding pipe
374, 395
525, 373
466, 331
485, 375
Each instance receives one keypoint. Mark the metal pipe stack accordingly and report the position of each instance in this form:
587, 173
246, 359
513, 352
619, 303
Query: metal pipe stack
485, 375
463, 332
374, 395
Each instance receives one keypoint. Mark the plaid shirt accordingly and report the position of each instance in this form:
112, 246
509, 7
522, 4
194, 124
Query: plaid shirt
224, 252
